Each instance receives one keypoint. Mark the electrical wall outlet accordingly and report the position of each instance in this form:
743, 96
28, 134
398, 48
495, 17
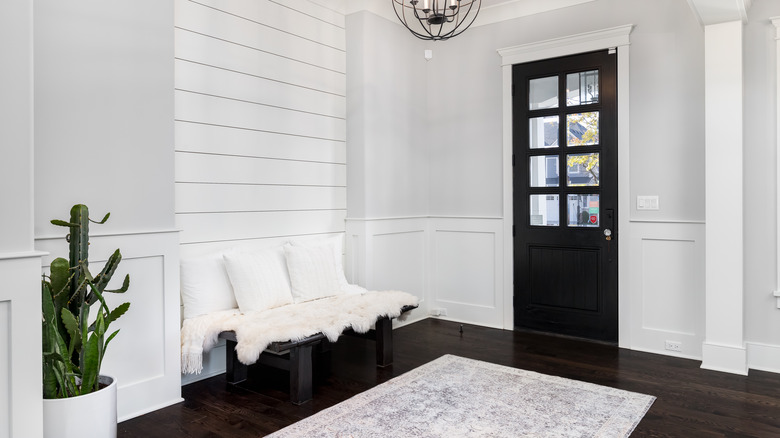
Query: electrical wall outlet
438, 311
647, 202
673, 346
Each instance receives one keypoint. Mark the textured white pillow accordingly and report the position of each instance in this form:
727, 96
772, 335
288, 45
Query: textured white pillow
312, 272
259, 278
333, 242
205, 286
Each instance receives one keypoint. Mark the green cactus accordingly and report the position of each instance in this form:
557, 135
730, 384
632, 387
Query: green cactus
73, 347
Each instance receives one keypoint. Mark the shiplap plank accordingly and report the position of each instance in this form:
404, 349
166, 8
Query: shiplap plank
210, 227
195, 249
227, 112
219, 82
210, 198
241, 170
207, 50
195, 137
314, 10
206, 20
317, 26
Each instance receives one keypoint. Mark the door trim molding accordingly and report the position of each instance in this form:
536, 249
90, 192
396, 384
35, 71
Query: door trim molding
615, 37
776, 23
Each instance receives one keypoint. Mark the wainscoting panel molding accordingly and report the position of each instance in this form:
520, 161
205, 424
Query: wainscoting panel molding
468, 269
398, 262
144, 357
20, 363
5, 370
453, 264
667, 288
384, 254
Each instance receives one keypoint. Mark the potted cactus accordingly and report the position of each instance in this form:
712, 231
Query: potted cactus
75, 332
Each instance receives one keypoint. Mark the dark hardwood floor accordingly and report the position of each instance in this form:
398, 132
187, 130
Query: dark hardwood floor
691, 402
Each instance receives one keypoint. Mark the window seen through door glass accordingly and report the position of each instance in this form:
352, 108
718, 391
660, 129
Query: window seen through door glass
543, 93
543, 132
582, 129
543, 170
583, 210
582, 170
544, 210
582, 88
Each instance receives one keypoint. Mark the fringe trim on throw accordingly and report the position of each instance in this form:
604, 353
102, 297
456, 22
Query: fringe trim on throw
192, 363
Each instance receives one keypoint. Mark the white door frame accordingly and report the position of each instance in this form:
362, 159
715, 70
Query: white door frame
612, 38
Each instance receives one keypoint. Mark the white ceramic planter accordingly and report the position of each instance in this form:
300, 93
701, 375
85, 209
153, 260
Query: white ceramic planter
85, 416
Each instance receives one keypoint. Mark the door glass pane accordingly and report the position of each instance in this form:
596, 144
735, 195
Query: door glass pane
544, 210
544, 171
582, 170
543, 132
582, 129
543, 93
582, 88
583, 210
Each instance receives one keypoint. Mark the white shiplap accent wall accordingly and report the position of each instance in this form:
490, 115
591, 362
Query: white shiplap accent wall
260, 125
260, 120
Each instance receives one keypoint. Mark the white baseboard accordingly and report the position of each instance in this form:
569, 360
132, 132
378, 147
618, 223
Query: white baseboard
763, 357
149, 409
725, 358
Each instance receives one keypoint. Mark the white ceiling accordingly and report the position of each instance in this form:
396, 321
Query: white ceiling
706, 11
720, 11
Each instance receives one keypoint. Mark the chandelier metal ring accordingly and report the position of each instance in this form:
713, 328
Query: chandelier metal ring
436, 19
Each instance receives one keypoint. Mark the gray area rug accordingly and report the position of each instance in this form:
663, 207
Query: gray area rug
458, 397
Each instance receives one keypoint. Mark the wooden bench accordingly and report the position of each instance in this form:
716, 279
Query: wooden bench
296, 356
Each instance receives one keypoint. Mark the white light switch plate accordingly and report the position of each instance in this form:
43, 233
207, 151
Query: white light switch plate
647, 202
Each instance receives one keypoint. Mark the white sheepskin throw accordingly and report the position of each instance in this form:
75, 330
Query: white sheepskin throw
256, 330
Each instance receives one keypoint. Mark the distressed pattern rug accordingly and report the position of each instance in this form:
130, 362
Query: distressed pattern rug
457, 397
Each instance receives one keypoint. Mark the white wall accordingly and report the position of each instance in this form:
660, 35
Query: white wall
20, 328
762, 317
387, 117
666, 137
103, 112
451, 263
260, 121
666, 106
260, 126
104, 137
666, 133
464, 128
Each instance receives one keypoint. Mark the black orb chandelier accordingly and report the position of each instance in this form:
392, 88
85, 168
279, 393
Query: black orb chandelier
436, 19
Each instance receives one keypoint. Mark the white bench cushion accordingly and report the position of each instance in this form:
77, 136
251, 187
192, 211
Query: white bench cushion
205, 286
259, 278
312, 272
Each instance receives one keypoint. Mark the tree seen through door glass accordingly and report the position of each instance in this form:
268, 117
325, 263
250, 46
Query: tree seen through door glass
582, 170
583, 210
543, 93
582, 88
582, 129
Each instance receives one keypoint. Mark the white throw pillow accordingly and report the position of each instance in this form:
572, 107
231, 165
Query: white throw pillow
333, 242
205, 286
259, 278
312, 272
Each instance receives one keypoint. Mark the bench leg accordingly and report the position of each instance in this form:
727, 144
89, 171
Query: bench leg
301, 374
235, 371
384, 342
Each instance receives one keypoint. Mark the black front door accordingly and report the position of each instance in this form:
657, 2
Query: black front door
565, 195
